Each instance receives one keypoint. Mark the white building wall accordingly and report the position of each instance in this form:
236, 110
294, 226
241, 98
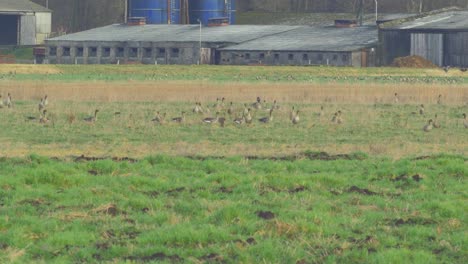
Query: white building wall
43, 26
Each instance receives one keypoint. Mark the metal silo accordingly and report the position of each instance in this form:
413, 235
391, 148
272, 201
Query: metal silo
203, 10
156, 11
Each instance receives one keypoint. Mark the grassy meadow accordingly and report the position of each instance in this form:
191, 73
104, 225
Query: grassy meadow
374, 189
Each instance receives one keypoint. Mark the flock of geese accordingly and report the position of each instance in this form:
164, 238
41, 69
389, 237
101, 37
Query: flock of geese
238, 117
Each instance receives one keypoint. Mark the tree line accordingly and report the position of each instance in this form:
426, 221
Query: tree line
78, 15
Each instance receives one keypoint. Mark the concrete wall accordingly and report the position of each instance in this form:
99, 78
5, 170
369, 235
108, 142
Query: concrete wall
90, 52
299, 58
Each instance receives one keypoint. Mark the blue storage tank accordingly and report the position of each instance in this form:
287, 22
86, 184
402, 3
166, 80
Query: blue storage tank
156, 11
203, 10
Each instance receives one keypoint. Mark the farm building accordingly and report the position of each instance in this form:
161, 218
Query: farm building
190, 44
353, 46
23, 22
439, 36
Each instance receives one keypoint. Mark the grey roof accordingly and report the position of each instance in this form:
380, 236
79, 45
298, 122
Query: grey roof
444, 21
16, 6
175, 33
314, 39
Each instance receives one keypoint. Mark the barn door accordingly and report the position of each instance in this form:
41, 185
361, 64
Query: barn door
205, 56
428, 46
27, 34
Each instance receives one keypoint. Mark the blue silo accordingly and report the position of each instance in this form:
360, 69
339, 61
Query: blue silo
156, 11
203, 10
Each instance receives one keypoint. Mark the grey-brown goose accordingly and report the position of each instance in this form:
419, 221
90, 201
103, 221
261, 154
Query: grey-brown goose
291, 114
321, 112
339, 119
44, 118
41, 105
159, 118
428, 127
9, 101
230, 110
197, 109
421, 109
439, 99
248, 117
211, 120
465, 121
258, 104
396, 100
239, 120
222, 121
295, 119
267, 119
92, 119
46, 100
179, 119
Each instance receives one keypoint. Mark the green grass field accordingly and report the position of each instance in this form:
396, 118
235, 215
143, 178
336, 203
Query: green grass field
375, 189
352, 209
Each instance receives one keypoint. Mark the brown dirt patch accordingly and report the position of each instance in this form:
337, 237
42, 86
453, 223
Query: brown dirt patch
267, 215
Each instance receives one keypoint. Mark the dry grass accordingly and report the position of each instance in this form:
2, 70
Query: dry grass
29, 69
179, 91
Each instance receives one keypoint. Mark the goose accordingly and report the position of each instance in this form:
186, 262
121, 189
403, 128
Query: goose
8, 101
439, 99
335, 117
273, 107
421, 109
44, 118
463, 69
321, 113
246, 110
180, 119
446, 68
295, 119
221, 121
435, 122
258, 104
248, 117
339, 119
268, 118
396, 100
41, 105
465, 121
158, 118
92, 119
428, 127
239, 120
230, 110
46, 100
291, 114
211, 120
197, 109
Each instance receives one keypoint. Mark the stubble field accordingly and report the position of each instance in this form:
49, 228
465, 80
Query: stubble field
376, 188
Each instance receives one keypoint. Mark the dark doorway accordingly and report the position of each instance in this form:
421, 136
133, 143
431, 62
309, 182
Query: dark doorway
9, 35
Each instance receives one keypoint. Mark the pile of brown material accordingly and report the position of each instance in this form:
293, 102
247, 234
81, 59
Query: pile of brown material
413, 62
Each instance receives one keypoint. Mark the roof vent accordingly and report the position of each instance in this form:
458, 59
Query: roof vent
218, 21
136, 21
345, 23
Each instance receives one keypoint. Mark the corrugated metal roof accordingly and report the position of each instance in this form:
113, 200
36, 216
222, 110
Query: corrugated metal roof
314, 39
451, 20
175, 33
13, 6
